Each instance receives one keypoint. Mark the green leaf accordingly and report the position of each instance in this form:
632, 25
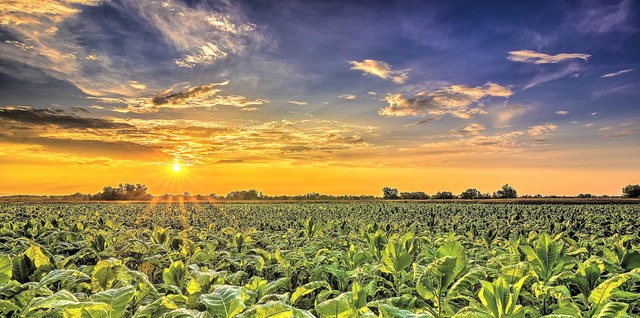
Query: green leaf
601, 294
175, 274
117, 299
338, 307
7, 306
307, 289
105, 274
37, 256
156, 308
613, 309
60, 299
395, 312
86, 310
456, 250
275, 309
6, 268
225, 301
22, 267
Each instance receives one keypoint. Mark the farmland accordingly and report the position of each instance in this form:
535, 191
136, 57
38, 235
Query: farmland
367, 259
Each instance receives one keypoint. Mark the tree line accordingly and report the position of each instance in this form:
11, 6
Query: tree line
129, 191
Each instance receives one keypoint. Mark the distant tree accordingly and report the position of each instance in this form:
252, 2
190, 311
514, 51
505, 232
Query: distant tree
444, 195
243, 195
471, 194
507, 192
631, 191
390, 193
585, 196
419, 195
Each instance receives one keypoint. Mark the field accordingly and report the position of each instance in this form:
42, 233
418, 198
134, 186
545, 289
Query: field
368, 259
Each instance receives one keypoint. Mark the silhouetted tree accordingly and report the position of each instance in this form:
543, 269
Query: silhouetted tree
419, 195
471, 194
390, 193
507, 192
444, 195
631, 191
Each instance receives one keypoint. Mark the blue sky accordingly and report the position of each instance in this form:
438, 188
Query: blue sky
417, 86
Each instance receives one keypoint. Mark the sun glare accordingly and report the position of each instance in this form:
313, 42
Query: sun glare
176, 167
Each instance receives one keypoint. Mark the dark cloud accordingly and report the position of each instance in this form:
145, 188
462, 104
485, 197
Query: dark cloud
181, 97
57, 117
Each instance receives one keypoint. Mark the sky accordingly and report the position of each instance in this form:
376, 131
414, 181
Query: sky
336, 97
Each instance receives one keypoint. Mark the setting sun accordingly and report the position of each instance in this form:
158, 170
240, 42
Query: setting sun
176, 167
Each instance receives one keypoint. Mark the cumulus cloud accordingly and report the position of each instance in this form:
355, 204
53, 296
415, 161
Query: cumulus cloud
541, 129
528, 56
562, 112
453, 100
618, 73
348, 96
380, 69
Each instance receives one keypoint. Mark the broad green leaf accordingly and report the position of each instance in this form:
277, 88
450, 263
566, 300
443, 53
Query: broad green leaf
86, 310
156, 308
275, 309
117, 299
307, 289
7, 306
613, 309
5, 269
456, 250
338, 307
175, 274
225, 301
105, 274
394, 312
601, 294
60, 299
37, 256
22, 267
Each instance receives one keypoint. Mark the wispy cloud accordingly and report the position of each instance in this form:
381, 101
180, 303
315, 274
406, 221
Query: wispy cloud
455, 100
348, 96
562, 112
56, 38
618, 73
421, 122
380, 69
541, 129
296, 102
204, 96
534, 57
542, 78
604, 17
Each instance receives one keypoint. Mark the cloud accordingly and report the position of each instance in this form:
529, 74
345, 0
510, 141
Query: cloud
348, 96
474, 143
56, 117
380, 69
296, 102
624, 133
541, 129
204, 96
452, 100
618, 73
505, 115
421, 122
57, 38
604, 17
472, 128
541, 78
191, 94
528, 56
562, 112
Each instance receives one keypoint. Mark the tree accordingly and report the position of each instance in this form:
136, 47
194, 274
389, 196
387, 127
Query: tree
390, 193
444, 195
507, 192
631, 191
471, 194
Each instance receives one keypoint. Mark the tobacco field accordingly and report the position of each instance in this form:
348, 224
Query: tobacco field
364, 259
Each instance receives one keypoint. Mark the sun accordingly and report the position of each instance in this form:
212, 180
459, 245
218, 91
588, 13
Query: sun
176, 167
